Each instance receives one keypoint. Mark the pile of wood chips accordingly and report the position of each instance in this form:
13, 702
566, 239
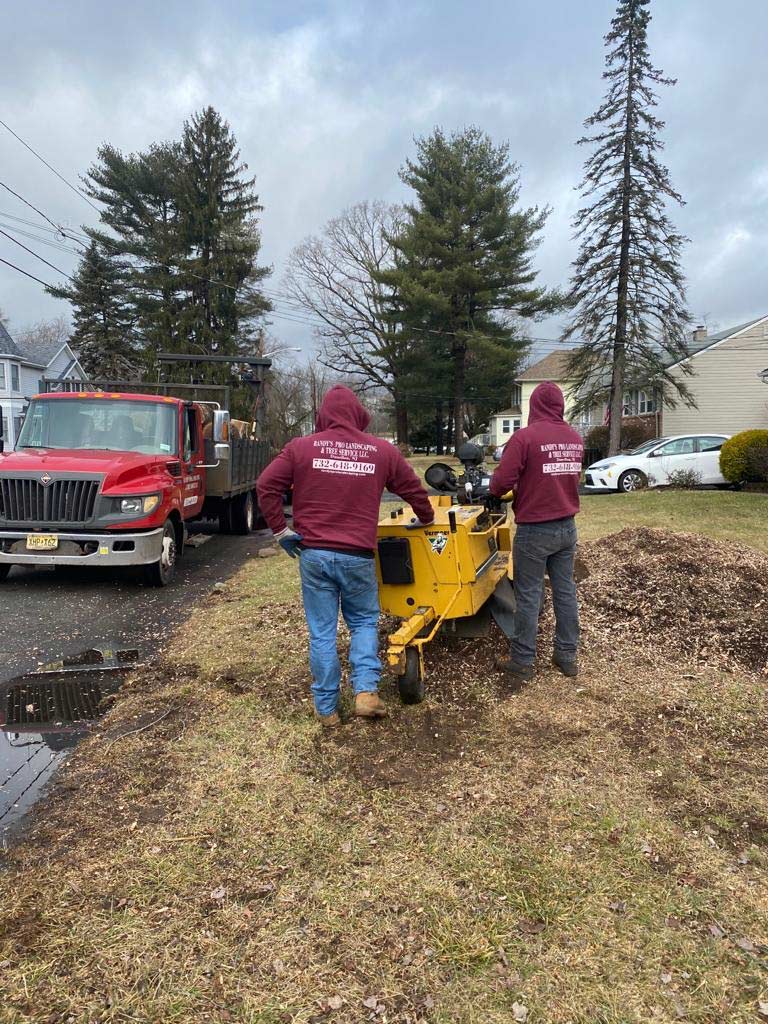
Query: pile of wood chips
681, 594
652, 594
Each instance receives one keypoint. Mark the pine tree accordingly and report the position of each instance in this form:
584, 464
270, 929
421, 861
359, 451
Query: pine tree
627, 289
103, 335
464, 257
140, 207
219, 208
184, 220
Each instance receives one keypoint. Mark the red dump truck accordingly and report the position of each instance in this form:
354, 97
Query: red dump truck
113, 478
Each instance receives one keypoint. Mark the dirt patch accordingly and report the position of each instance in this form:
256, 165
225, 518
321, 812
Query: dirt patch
412, 754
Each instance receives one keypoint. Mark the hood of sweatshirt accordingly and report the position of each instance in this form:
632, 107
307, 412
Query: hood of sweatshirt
341, 408
547, 404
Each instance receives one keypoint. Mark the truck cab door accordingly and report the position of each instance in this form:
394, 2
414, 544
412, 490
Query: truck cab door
192, 476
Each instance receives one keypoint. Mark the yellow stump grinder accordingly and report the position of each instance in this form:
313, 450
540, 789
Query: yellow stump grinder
451, 576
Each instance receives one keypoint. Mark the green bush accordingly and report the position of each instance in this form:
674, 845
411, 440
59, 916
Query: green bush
634, 431
744, 457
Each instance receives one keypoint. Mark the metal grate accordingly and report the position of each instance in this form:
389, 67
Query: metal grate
61, 501
48, 702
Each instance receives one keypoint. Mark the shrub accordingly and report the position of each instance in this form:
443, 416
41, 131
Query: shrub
634, 431
684, 479
757, 464
744, 457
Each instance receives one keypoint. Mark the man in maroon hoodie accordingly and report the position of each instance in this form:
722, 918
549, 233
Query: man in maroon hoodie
338, 475
542, 465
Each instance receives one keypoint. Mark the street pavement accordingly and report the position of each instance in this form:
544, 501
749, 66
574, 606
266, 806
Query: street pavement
48, 615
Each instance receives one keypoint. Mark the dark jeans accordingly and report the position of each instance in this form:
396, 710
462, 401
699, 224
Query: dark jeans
542, 548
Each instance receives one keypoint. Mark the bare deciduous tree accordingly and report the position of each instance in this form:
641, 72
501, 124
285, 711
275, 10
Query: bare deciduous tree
331, 276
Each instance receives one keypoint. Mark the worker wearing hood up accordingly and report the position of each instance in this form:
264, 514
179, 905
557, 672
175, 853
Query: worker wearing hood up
338, 475
541, 464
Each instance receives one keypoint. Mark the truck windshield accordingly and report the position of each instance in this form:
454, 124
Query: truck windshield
104, 424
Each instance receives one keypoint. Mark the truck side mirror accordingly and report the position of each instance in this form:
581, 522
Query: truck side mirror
221, 426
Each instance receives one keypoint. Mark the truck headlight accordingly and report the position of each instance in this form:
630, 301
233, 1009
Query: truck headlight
139, 506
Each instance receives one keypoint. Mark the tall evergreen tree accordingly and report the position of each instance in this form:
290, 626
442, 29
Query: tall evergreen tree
184, 218
218, 207
139, 195
627, 289
464, 257
103, 334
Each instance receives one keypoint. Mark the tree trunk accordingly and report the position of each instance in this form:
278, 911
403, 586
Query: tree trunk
620, 337
439, 435
459, 375
401, 419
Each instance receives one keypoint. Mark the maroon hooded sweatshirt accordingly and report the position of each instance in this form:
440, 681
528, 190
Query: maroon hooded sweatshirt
338, 476
542, 462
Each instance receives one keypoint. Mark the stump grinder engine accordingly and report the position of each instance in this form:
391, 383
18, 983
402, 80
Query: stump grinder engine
451, 576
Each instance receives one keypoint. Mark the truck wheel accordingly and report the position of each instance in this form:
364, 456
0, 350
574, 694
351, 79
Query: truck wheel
410, 684
4, 570
161, 573
242, 513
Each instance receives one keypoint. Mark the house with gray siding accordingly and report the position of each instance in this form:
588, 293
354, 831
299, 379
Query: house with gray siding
23, 366
728, 381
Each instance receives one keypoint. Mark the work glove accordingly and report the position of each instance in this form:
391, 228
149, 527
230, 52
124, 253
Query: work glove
289, 541
416, 524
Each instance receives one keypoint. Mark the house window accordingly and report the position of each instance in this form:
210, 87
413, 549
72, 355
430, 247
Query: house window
5, 430
516, 424
639, 403
506, 426
14, 377
2, 376
517, 394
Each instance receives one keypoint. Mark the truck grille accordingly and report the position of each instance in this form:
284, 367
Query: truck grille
61, 501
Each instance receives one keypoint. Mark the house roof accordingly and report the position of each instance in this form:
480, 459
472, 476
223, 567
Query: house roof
8, 346
507, 412
712, 339
551, 367
41, 350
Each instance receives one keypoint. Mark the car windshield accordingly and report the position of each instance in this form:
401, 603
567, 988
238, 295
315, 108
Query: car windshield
647, 446
104, 424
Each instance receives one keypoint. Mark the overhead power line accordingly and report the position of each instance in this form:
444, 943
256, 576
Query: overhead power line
75, 189
36, 255
25, 273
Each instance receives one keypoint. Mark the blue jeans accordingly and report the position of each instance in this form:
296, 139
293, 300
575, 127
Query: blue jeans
330, 580
538, 549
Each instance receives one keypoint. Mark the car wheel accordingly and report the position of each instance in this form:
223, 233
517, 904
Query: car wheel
632, 480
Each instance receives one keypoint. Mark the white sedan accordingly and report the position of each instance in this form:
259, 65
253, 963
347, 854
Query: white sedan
651, 464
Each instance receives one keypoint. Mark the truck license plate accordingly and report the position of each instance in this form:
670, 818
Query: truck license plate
42, 541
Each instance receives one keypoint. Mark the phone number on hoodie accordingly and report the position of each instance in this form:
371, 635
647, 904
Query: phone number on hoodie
339, 466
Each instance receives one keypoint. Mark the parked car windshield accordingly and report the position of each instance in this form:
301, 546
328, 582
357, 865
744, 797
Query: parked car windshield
646, 447
103, 424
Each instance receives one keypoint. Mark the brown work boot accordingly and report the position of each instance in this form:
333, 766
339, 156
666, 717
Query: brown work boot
369, 705
329, 721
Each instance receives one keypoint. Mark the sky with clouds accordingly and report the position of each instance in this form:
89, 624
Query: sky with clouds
325, 99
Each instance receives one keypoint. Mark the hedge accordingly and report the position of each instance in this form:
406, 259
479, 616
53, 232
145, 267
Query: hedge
744, 457
634, 431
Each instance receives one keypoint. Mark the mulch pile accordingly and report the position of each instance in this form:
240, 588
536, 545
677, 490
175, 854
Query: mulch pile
648, 592
678, 593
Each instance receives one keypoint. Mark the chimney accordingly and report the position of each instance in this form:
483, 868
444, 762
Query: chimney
700, 333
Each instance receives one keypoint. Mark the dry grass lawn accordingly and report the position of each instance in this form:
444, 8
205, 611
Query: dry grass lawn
593, 853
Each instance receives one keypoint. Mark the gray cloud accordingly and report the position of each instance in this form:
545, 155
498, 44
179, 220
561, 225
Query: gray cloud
326, 98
